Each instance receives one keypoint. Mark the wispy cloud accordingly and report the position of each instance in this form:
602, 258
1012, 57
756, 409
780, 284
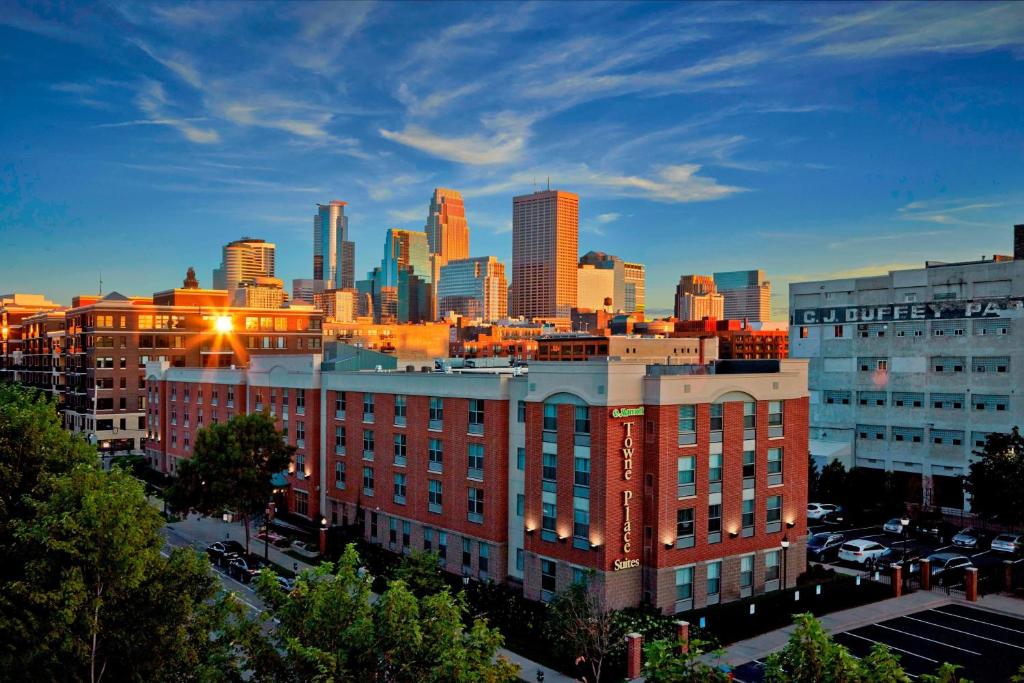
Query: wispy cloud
153, 102
606, 218
178, 63
962, 212
408, 215
505, 141
889, 237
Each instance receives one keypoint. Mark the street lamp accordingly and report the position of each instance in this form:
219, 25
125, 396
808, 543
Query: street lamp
266, 531
904, 523
323, 534
785, 559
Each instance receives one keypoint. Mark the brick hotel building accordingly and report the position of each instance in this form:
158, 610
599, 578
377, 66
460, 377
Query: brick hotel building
674, 483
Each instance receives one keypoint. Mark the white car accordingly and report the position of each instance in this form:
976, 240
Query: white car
893, 526
819, 510
861, 551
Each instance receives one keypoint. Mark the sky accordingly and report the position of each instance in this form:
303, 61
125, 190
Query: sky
808, 140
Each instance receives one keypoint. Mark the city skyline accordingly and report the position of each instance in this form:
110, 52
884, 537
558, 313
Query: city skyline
708, 128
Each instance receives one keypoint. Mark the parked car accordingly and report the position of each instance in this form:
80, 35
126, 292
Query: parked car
861, 551
970, 538
818, 511
245, 568
222, 552
1008, 543
893, 526
947, 568
824, 546
933, 527
899, 557
285, 584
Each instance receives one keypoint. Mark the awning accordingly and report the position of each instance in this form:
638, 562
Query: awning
279, 480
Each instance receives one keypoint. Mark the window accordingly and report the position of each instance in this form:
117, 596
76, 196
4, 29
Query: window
476, 416
400, 488
837, 331
774, 466
687, 425
520, 504
947, 401
947, 437
746, 575
872, 363
436, 412
774, 419
946, 364
580, 576
521, 411
300, 434
991, 364
684, 528
300, 402
749, 419
339, 404
771, 566
903, 399
581, 472
582, 421
483, 559
749, 468
686, 476
747, 518
373, 525
434, 495
392, 532
990, 402
367, 407
400, 406
302, 503
521, 459
581, 523
339, 475
804, 332
476, 505
550, 417
715, 469
548, 514
520, 559
908, 434
684, 589
715, 523
368, 444
714, 571
428, 539
368, 481
837, 397
716, 421
339, 440
773, 517
435, 455
442, 544
300, 466
547, 579
400, 449
549, 469
406, 533
871, 432
476, 461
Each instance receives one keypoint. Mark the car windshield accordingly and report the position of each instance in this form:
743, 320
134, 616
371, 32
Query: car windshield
968, 532
817, 540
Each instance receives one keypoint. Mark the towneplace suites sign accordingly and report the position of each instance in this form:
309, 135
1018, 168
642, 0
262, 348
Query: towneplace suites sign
933, 310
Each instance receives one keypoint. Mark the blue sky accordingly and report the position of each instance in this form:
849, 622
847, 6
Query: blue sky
808, 140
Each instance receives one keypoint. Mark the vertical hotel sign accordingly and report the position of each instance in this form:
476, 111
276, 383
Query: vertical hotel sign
627, 451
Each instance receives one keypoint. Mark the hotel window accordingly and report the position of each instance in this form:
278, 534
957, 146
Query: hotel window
715, 472
406, 533
435, 455
581, 475
520, 559
428, 539
582, 421
476, 461
400, 449
400, 488
368, 444
684, 589
747, 516
871, 432
367, 481
400, 406
908, 434
476, 505
339, 475
749, 419
687, 425
521, 459
476, 416
231, 397
714, 571
339, 441
749, 468
580, 576
746, 575
392, 532
300, 434
548, 516
871, 364
549, 470
548, 581
442, 545
771, 568
774, 466
581, 523
684, 528
483, 559
871, 398
300, 466
773, 518
774, 419
686, 474
436, 412
300, 402
550, 417
715, 523
434, 495
302, 503
520, 504
521, 411
467, 556
716, 422
339, 405
992, 326
373, 526
367, 407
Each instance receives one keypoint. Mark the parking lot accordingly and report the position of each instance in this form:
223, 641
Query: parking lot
989, 646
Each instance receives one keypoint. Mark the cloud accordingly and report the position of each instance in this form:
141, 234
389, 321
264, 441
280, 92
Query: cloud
889, 237
605, 218
508, 135
179, 64
948, 211
408, 215
153, 101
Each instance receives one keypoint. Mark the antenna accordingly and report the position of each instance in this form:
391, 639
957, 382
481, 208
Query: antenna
549, 183
101, 283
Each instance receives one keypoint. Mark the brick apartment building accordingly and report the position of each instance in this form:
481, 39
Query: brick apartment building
674, 483
15, 309
740, 339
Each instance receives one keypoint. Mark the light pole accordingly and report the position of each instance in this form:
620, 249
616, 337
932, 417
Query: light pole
323, 535
266, 530
904, 523
785, 558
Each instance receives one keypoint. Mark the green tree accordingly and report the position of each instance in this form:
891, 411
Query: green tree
421, 572
231, 467
947, 673
993, 480
664, 662
811, 656
582, 628
882, 665
832, 483
813, 478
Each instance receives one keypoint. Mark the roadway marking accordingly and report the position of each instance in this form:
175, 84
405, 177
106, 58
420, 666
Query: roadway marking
983, 552
893, 647
930, 640
973, 635
977, 621
945, 547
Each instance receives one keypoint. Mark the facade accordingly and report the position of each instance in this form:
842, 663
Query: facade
740, 339
747, 295
341, 305
244, 259
308, 290
260, 292
595, 288
334, 256
673, 484
473, 287
407, 343
400, 287
634, 287
910, 370
42, 353
579, 347
628, 288
545, 248
697, 298
447, 229
14, 309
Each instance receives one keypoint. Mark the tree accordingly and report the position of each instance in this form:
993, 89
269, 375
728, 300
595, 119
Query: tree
330, 630
882, 665
832, 483
231, 467
811, 656
581, 626
421, 572
813, 478
993, 480
664, 662
947, 673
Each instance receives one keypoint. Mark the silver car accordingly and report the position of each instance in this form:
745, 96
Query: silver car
1007, 543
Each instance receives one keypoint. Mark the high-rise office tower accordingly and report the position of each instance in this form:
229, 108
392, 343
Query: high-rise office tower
697, 298
400, 286
747, 295
447, 229
334, 256
595, 288
405, 249
545, 249
244, 259
629, 277
473, 287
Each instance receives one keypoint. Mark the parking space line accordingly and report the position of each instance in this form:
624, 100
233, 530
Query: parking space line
930, 640
939, 550
968, 633
983, 552
893, 647
977, 621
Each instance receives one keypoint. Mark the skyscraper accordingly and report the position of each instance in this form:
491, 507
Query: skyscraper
697, 298
334, 256
747, 294
473, 287
447, 229
400, 286
629, 277
545, 248
244, 259
634, 286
